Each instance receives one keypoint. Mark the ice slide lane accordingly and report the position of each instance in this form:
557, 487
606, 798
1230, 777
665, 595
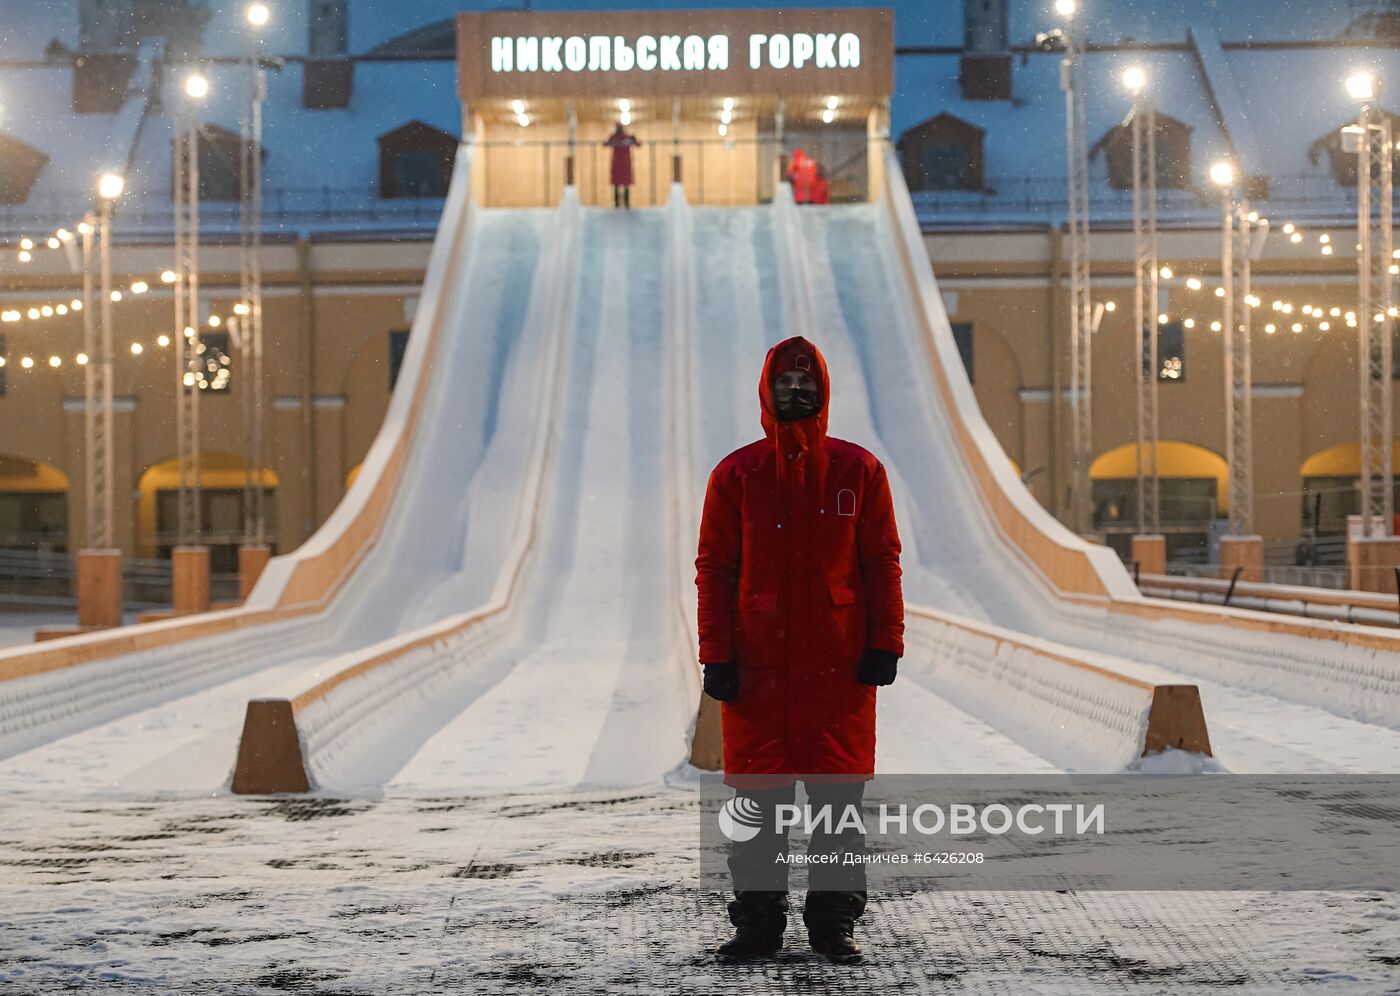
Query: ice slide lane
573, 673
595, 694
960, 563
436, 552
739, 312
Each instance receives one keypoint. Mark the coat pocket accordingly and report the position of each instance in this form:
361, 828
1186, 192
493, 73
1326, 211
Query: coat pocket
842, 594
763, 601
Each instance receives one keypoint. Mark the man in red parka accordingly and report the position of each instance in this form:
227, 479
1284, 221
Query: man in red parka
801, 616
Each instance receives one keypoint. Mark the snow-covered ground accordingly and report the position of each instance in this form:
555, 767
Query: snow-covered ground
580, 893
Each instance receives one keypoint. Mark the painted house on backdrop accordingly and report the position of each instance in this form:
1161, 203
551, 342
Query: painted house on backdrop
364, 111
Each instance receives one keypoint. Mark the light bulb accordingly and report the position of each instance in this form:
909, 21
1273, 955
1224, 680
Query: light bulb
110, 186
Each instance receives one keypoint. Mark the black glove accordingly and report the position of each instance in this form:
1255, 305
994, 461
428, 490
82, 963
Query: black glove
722, 681
877, 667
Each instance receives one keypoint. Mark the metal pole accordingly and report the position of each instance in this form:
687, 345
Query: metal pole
256, 306
250, 265
1154, 362
236, 327
1143, 313
187, 288
90, 436
1081, 319
1146, 276
181, 344
196, 345
104, 447
1376, 313
1239, 434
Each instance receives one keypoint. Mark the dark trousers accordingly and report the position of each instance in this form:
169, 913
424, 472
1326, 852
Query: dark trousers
622, 197
836, 892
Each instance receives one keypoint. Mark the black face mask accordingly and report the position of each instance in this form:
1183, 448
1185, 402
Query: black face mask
793, 403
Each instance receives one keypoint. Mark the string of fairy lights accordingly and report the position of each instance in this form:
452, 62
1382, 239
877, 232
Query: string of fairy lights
213, 374
1285, 315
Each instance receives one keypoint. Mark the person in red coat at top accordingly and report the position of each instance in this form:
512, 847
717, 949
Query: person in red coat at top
622, 143
801, 617
802, 174
821, 192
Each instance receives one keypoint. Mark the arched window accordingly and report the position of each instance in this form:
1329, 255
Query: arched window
942, 153
1173, 153
415, 160
220, 163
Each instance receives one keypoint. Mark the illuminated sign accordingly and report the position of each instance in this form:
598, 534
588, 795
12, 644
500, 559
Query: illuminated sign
670, 53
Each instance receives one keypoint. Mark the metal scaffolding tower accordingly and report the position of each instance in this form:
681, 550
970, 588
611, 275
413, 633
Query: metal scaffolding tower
1376, 314
1145, 277
250, 323
188, 346
1235, 268
1081, 315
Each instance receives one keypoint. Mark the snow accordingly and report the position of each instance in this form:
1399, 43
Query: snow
580, 893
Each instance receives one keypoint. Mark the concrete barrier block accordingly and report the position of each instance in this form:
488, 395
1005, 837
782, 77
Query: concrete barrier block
99, 589
269, 751
1176, 720
189, 578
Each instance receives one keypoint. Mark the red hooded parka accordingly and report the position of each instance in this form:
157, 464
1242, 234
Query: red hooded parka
802, 173
798, 573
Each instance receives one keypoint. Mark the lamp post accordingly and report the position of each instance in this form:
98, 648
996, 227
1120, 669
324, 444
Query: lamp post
1372, 140
1081, 315
92, 536
99, 562
1145, 276
189, 560
253, 553
109, 188
1240, 548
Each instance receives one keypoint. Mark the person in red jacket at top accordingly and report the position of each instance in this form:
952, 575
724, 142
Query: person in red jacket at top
821, 193
622, 143
801, 617
802, 174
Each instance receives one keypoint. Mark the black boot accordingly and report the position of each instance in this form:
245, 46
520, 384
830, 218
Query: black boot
836, 944
830, 918
759, 919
